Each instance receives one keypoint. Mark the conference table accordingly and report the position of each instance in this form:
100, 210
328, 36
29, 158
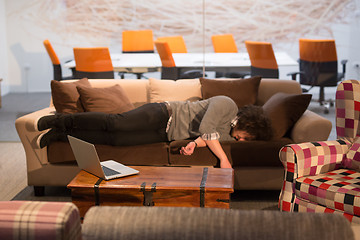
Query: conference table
224, 62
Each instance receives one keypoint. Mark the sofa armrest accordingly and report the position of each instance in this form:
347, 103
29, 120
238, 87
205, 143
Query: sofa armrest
303, 130
312, 158
35, 157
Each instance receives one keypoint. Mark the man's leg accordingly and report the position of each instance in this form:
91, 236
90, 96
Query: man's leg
118, 138
152, 116
149, 116
121, 138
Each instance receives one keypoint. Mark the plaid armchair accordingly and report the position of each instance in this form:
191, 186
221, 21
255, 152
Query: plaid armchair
324, 176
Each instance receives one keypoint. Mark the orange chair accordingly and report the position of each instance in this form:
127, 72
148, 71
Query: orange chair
176, 43
137, 41
319, 66
93, 63
224, 43
169, 69
262, 58
55, 61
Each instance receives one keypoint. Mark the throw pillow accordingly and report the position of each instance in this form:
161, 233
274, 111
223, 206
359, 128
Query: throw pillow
352, 158
170, 90
65, 96
284, 110
108, 100
243, 91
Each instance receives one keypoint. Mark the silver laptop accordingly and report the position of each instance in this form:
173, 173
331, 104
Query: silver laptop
88, 160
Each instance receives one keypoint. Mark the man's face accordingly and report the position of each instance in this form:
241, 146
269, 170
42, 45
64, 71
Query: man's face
241, 135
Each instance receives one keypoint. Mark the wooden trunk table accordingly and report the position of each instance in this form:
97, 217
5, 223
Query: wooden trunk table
155, 186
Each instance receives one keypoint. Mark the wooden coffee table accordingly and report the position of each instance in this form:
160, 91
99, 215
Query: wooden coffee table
156, 186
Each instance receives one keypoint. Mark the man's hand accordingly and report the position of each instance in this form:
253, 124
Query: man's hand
188, 149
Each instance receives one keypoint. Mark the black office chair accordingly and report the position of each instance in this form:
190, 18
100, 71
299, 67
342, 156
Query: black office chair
318, 67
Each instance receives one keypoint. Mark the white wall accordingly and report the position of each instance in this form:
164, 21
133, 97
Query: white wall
3, 51
70, 23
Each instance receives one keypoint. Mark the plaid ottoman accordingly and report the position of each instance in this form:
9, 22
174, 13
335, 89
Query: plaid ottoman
39, 220
338, 190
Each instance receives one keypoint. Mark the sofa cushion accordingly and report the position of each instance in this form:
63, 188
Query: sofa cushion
240, 154
169, 90
284, 110
108, 100
146, 154
270, 86
202, 156
352, 158
242, 91
338, 190
136, 89
65, 96
257, 153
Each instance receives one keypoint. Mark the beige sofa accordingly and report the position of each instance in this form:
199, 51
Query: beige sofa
256, 163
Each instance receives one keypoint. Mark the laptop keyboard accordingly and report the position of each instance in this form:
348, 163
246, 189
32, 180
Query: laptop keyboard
109, 171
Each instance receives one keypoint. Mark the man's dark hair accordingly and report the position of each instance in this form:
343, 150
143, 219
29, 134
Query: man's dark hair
251, 118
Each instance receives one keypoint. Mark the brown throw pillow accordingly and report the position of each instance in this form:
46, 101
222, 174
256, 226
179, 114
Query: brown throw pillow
108, 100
284, 110
65, 96
242, 91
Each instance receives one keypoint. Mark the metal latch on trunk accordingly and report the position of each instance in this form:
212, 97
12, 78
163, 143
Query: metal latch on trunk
148, 195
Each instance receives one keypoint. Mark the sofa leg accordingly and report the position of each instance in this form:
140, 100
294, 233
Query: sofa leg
39, 191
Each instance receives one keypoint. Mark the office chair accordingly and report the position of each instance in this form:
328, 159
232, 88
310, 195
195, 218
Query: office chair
169, 69
225, 43
93, 63
318, 67
137, 41
176, 43
262, 58
55, 61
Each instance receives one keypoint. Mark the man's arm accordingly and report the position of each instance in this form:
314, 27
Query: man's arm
218, 108
214, 146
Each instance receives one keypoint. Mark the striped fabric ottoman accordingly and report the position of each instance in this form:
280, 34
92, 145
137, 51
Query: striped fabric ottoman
39, 220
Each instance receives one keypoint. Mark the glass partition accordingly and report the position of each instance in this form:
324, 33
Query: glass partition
70, 23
